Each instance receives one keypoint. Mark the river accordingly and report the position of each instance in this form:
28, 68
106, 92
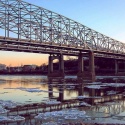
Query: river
27, 89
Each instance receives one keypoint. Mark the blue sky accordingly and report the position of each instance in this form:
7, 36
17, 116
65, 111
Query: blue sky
105, 16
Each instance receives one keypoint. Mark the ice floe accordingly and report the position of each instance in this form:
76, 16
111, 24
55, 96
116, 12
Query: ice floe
94, 87
52, 101
67, 114
95, 83
11, 118
111, 92
84, 104
82, 97
115, 84
2, 110
9, 104
32, 89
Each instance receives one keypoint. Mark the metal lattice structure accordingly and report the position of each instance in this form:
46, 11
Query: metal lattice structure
39, 29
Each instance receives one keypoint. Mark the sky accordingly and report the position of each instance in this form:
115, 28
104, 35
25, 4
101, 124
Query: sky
104, 16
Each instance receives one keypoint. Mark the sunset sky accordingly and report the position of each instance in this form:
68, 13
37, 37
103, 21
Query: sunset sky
105, 16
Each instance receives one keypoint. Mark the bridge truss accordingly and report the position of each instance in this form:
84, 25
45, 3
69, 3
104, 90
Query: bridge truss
34, 29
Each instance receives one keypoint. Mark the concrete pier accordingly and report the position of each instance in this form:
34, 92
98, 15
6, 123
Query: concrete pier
89, 75
60, 72
116, 67
92, 66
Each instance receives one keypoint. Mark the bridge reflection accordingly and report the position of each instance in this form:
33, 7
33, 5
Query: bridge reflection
92, 93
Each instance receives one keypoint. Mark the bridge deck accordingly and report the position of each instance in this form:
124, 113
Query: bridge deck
25, 45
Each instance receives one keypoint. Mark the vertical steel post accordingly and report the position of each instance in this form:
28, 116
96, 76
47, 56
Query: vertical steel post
8, 13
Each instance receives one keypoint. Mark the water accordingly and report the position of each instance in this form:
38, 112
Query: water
28, 89
31, 89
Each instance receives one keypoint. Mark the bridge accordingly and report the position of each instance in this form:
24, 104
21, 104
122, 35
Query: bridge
30, 28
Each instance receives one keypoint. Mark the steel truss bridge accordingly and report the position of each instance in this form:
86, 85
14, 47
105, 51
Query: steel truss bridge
29, 28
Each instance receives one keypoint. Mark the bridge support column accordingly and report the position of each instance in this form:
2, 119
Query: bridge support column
80, 63
50, 65
60, 71
92, 66
116, 67
61, 64
80, 74
89, 75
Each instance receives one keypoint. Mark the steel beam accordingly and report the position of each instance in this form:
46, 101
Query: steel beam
35, 24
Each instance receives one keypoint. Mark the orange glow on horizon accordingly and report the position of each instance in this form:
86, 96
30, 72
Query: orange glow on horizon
22, 58
24, 62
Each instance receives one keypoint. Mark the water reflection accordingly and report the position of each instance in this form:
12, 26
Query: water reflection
12, 88
30, 89
37, 88
66, 89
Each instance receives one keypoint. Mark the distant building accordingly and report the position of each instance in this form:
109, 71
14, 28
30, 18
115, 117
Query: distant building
2, 67
17, 69
29, 67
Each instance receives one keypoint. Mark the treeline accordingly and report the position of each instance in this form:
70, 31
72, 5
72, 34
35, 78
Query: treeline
102, 66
